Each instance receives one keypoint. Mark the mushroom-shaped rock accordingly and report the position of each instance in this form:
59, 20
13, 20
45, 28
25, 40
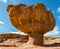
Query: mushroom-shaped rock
34, 20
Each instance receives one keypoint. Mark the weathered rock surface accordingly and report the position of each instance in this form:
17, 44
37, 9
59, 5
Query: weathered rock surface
12, 40
34, 20
30, 19
10, 36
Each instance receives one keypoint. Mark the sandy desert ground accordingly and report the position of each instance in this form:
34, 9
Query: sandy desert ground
20, 43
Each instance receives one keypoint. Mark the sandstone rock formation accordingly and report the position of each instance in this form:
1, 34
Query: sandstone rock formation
34, 20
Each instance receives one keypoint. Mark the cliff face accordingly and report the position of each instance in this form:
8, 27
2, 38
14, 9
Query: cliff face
31, 19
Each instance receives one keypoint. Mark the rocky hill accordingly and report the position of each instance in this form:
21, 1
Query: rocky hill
10, 36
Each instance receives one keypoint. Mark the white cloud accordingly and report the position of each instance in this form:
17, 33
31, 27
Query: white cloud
4, 1
1, 22
22, 33
48, 8
58, 9
52, 33
14, 32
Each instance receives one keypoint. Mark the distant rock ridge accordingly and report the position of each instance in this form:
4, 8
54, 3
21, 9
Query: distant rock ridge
11, 36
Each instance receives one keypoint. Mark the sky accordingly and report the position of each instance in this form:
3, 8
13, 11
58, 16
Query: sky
52, 5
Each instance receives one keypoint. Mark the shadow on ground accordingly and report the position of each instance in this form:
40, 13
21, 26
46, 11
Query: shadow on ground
52, 45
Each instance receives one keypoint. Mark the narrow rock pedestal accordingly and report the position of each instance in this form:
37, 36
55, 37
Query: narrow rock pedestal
36, 39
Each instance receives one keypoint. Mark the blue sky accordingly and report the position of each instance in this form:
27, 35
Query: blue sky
52, 5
